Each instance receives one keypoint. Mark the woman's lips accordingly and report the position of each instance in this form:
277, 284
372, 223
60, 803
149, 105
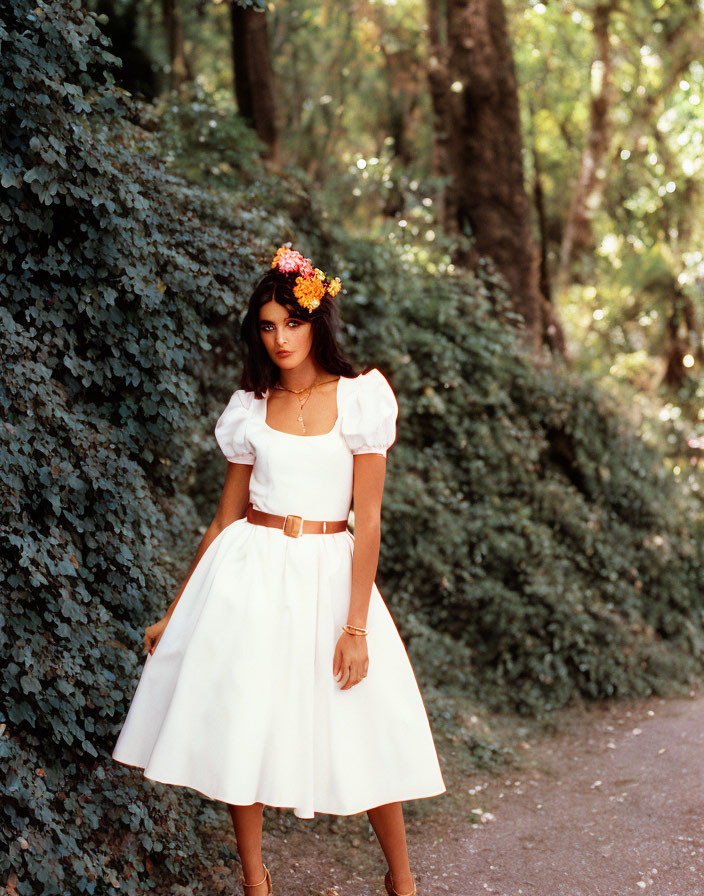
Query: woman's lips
283, 354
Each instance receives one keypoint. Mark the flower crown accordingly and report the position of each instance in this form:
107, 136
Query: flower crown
311, 283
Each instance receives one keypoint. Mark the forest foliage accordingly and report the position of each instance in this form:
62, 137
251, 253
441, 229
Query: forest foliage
358, 125
535, 547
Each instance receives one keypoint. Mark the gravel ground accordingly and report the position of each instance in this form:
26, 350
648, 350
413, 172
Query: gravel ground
611, 808
610, 805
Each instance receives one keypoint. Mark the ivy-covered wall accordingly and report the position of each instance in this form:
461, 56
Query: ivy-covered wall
112, 276
533, 548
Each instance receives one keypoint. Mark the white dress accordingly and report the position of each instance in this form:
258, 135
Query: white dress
238, 700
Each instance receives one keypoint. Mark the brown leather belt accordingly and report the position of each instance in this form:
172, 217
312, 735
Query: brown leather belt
293, 525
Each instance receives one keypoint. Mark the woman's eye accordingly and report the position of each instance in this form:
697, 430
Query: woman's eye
267, 327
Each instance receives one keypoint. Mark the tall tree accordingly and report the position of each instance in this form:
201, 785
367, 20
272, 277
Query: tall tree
402, 96
137, 73
476, 113
586, 198
254, 75
180, 66
540, 210
439, 86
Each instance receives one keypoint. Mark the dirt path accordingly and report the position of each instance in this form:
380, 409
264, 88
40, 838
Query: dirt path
614, 809
611, 806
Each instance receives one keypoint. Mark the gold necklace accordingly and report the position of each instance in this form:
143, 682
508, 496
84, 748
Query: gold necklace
297, 392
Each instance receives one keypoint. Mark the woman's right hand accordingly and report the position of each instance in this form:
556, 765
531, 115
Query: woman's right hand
153, 633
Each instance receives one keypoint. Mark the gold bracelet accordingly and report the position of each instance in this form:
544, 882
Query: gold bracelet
354, 630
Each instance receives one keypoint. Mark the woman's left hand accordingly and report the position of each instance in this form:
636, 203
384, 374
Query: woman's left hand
351, 660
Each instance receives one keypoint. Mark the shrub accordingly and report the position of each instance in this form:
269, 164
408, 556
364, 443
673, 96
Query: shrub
522, 516
112, 274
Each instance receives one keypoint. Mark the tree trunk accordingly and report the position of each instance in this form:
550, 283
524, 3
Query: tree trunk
254, 76
539, 205
683, 334
402, 99
439, 87
181, 70
485, 158
586, 199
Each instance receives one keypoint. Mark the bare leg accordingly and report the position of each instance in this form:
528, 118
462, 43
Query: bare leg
247, 822
389, 827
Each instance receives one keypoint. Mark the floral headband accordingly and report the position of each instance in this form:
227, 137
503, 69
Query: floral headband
311, 283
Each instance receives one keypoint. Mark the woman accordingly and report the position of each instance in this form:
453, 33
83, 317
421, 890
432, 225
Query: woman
277, 676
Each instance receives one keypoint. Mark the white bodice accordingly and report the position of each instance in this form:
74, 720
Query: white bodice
309, 475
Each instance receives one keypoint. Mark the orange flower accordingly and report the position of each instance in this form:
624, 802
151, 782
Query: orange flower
308, 291
334, 286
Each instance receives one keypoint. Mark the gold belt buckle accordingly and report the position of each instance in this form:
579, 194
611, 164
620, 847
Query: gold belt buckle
296, 533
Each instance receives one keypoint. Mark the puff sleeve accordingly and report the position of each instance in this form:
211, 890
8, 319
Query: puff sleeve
369, 414
231, 428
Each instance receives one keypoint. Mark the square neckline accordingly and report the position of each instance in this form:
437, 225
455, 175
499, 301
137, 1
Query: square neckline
296, 435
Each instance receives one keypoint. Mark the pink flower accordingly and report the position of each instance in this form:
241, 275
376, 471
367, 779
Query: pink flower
291, 261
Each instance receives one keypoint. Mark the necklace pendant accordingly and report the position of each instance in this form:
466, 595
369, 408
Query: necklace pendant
300, 418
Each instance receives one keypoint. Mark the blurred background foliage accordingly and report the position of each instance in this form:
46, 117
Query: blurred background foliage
542, 537
355, 125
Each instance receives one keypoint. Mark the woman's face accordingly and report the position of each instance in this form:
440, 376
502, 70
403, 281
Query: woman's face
282, 333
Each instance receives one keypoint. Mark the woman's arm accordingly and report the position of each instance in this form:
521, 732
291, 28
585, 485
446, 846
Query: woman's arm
368, 489
232, 506
351, 658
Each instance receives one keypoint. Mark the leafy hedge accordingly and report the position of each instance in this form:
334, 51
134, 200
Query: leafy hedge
533, 547
112, 275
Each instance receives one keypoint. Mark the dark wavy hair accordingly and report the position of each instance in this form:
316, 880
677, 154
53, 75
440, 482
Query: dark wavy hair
259, 372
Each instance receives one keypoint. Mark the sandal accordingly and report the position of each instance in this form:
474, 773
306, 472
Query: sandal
267, 878
390, 887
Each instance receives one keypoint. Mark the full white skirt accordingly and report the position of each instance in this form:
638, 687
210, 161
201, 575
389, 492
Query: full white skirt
239, 702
